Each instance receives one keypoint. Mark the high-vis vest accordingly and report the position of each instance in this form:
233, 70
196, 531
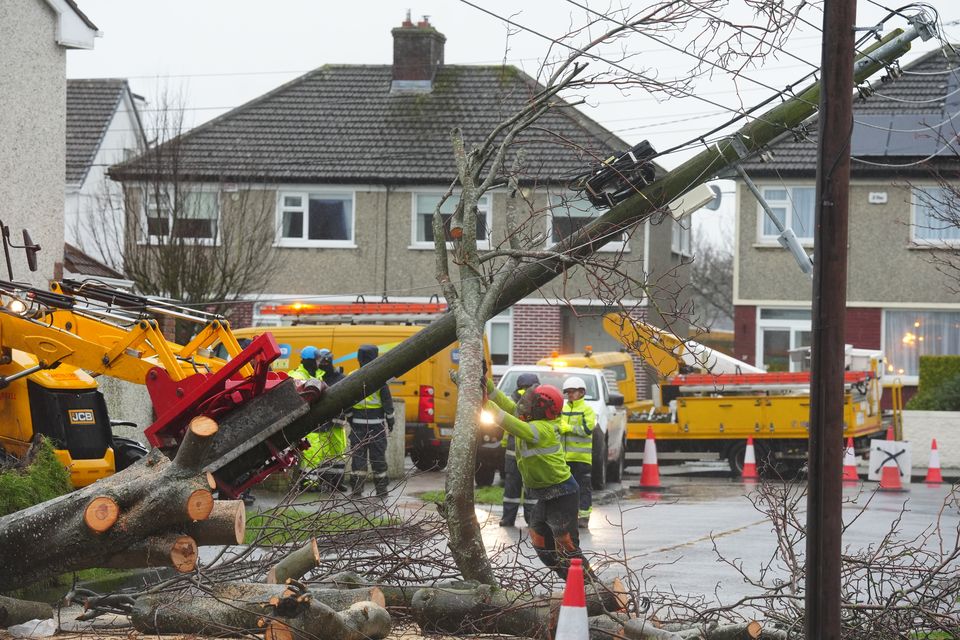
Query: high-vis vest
576, 429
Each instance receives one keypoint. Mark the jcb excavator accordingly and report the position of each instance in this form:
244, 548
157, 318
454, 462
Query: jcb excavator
54, 343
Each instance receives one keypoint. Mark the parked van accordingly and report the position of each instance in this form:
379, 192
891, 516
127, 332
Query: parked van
427, 390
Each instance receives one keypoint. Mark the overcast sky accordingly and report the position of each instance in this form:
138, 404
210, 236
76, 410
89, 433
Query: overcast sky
221, 53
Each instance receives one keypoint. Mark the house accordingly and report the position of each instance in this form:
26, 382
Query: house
36, 36
103, 128
897, 299
350, 162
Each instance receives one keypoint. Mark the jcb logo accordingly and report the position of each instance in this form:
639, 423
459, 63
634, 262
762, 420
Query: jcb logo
81, 416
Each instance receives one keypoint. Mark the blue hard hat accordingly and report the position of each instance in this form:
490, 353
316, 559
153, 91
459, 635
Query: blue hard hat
308, 353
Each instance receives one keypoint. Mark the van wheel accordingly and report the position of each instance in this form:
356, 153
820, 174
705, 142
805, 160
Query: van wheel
599, 472
427, 459
485, 474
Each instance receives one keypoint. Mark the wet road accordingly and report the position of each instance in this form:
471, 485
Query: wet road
674, 537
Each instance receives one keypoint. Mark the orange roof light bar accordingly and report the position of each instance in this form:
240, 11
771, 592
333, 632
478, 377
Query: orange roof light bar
356, 308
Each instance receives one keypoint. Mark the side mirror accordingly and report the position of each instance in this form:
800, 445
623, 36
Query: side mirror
31, 250
615, 399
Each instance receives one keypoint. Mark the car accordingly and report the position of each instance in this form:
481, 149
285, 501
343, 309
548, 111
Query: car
609, 436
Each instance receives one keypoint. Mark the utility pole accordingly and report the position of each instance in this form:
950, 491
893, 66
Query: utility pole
825, 489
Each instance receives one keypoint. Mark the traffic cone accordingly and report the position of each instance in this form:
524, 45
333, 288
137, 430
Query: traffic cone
890, 477
850, 464
572, 621
650, 477
750, 462
933, 468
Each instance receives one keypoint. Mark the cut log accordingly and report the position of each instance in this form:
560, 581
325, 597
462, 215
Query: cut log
101, 514
152, 499
360, 621
13, 611
233, 609
296, 564
226, 525
170, 550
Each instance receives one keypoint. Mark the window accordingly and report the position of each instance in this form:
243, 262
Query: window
935, 217
794, 208
778, 332
500, 339
681, 241
316, 219
185, 215
570, 213
907, 335
424, 204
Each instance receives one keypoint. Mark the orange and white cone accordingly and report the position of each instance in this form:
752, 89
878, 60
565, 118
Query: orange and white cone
650, 477
890, 476
572, 622
750, 462
933, 468
850, 464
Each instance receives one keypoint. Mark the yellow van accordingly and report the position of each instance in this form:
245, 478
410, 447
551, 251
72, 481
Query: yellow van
429, 395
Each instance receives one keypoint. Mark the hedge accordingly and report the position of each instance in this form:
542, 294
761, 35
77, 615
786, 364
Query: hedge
939, 384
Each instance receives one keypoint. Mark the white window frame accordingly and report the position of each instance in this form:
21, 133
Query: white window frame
303, 241
146, 194
905, 378
915, 209
681, 237
805, 236
556, 200
783, 324
484, 208
505, 318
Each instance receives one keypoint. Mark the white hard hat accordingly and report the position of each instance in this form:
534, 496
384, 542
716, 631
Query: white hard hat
574, 382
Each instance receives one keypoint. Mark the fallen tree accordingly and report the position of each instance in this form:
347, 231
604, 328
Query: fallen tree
138, 517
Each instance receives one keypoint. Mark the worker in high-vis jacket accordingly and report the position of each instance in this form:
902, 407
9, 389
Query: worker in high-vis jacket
512, 482
576, 430
370, 420
326, 456
315, 455
533, 421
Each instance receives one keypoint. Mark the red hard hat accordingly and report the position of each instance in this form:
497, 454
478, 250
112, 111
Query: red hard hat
550, 400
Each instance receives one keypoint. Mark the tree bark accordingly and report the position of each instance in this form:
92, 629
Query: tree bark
485, 610
226, 525
233, 609
295, 564
13, 611
87, 527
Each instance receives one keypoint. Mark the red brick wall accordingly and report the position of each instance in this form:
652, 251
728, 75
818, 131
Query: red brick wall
863, 328
745, 334
240, 314
536, 332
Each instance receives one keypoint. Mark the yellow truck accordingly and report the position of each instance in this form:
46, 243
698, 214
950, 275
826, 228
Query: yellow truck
706, 403
429, 395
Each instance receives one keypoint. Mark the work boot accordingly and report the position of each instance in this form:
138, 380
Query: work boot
583, 523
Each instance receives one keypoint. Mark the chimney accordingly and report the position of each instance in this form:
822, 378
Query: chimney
417, 52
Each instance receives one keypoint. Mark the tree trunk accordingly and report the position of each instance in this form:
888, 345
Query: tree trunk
234, 609
87, 527
485, 610
466, 543
13, 611
295, 564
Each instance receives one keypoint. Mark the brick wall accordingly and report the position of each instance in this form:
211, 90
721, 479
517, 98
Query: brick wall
863, 328
536, 332
240, 314
745, 333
